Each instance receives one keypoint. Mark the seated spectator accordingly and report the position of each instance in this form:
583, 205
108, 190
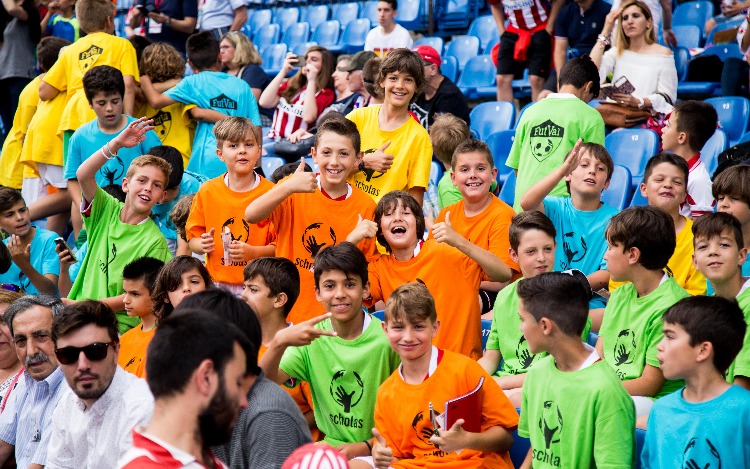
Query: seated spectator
102, 403
178, 279
370, 73
240, 58
660, 10
439, 95
637, 57
388, 35
730, 10
356, 78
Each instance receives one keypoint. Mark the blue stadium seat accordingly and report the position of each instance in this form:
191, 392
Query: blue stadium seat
315, 15
486, 326
449, 68
353, 39
640, 440
286, 17
500, 144
408, 14
734, 112
684, 87
493, 42
484, 28
301, 48
259, 19
688, 35
327, 33
695, 13
492, 116
723, 51
617, 195
370, 11
478, 72
520, 447
638, 199
522, 87
270, 163
266, 36
297, 33
380, 314
745, 137
523, 109
436, 172
463, 48
508, 192
273, 57
715, 145
432, 41
632, 148
345, 13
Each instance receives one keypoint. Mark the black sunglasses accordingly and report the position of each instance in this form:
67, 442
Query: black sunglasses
94, 352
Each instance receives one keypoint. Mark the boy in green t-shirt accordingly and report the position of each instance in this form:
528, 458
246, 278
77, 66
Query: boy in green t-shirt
120, 232
720, 255
548, 130
532, 247
574, 410
640, 242
343, 354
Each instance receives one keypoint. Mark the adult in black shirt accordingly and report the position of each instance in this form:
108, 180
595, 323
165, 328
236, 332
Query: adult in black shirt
170, 21
440, 94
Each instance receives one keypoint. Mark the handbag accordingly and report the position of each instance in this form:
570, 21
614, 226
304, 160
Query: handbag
615, 115
293, 151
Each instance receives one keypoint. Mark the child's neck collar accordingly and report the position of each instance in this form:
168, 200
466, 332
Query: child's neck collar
408, 253
241, 183
148, 322
474, 208
679, 222
130, 217
569, 355
334, 191
646, 281
391, 117
417, 370
585, 204
703, 386
121, 125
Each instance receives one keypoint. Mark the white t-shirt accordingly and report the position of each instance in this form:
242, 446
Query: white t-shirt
381, 43
214, 14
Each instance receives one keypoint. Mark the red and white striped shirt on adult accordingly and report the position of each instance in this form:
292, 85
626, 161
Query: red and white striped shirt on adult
288, 115
148, 452
525, 14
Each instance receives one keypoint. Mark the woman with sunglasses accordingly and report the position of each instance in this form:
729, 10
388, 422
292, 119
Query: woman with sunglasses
10, 366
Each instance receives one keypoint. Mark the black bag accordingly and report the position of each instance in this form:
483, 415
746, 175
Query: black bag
738, 154
293, 151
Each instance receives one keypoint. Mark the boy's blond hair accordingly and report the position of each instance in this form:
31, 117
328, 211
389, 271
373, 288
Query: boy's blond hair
92, 14
411, 302
446, 133
233, 129
150, 160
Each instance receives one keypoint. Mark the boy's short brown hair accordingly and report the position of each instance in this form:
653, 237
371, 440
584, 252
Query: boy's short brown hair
601, 154
411, 302
92, 14
234, 129
446, 133
344, 257
389, 202
472, 145
9, 197
280, 276
406, 61
526, 221
666, 157
180, 213
712, 225
343, 127
370, 74
161, 62
698, 120
48, 51
650, 229
150, 160
558, 296
733, 182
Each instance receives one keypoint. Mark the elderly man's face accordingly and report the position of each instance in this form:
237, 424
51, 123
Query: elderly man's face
32, 336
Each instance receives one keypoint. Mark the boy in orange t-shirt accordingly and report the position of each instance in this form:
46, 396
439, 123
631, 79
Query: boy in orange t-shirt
406, 436
448, 264
479, 216
310, 211
215, 226
138, 280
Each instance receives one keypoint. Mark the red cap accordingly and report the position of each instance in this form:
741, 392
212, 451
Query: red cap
428, 54
316, 456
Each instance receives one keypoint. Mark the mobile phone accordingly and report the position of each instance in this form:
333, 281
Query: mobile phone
301, 61
624, 86
63, 245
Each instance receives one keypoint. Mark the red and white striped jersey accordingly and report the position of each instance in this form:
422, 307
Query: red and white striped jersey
288, 115
525, 14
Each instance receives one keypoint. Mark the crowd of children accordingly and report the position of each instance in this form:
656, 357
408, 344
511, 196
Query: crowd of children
159, 177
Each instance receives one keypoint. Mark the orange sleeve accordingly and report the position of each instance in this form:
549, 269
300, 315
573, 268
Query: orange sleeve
196, 222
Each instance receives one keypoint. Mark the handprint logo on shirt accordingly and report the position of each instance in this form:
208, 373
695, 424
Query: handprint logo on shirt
624, 352
113, 171
316, 237
574, 247
551, 423
700, 453
347, 389
423, 426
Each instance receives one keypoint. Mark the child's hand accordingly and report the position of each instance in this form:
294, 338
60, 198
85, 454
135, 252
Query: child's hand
379, 160
18, 253
572, 162
303, 333
365, 229
299, 134
132, 135
382, 455
444, 232
451, 440
301, 181
207, 241
66, 257
239, 251
311, 72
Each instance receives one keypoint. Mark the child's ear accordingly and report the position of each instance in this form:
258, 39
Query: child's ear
606, 184
642, 187
513, 255
125, 185
453, 177
219, 153
435, 328
705, 351
366, 290
280, 300
634, 255
546, 326
743, 256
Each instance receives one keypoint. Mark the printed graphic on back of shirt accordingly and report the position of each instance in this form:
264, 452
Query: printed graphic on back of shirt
544, 139
162, 124
88, 58
223, 102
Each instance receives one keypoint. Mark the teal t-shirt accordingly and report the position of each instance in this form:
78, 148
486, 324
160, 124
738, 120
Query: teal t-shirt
43, 259
546, 133
112, 245
344, 377
632, 328
711, 434
580, 419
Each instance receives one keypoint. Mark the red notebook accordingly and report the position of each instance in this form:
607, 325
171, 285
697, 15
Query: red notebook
467, 407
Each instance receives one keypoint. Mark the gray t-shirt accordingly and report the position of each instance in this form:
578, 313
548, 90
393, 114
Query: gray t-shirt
17, 52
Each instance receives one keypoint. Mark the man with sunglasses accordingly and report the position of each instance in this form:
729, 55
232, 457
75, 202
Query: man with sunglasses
25, 422
92, 424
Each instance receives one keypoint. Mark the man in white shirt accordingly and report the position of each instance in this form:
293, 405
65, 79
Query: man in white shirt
389, 35
92, 424
221, 16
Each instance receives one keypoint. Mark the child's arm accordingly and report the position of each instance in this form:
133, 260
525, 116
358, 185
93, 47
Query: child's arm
155, 99
206, 115
64, 284
648, 384
47, 91
47, 283
534, 197
204, 244
495, 269
599, 279
269, 98
262, 207
294, 336
52, 8
133, 134
244, 252
511, 382
493, 440
183, 248
128, 101
490, 361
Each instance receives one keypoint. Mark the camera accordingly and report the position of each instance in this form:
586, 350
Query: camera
146, 6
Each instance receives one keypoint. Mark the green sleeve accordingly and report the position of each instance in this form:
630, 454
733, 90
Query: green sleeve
614, 439
596, 133
515, 150
448, 194
654, 334
294, 363
523, 423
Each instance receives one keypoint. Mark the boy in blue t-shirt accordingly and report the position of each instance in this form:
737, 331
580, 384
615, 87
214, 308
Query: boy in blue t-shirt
219, 94
35, 267
706, 423
581, 218
61, 21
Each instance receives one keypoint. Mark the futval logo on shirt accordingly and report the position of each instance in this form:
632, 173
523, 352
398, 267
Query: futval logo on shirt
346, 389
88, 58
162, 124
551, 424
224, 102
544, 139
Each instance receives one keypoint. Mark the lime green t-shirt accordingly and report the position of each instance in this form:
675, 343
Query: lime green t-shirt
580, 419
113, 245
632, 328
741, 365
344, 377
